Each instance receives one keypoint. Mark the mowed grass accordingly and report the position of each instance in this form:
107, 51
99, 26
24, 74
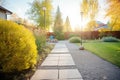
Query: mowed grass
109, 51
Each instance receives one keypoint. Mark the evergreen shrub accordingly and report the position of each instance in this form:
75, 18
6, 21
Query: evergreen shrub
18, 50
75, 40
110, 39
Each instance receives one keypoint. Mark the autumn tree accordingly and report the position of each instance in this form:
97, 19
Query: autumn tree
36, 13
113, 12
90, 10
93, 5
91, 25
58, 25
67, 26
85, 8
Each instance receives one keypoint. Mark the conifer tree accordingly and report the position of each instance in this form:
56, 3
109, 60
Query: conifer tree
58, 25
67, 26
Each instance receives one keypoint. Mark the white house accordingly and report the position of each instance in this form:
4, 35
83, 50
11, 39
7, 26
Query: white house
4, 12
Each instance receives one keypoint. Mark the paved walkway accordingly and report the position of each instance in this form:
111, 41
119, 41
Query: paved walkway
59, 65
67, 62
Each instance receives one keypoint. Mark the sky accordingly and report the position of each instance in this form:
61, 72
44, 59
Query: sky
70, 8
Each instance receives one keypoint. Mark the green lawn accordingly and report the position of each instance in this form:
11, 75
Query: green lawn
109, 51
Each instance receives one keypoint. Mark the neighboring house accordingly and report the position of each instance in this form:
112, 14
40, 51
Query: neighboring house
101, 26
4, 12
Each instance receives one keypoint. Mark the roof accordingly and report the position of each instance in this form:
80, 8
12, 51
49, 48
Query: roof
101, 25
4, 9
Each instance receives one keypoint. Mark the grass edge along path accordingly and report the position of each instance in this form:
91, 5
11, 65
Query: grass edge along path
109, 51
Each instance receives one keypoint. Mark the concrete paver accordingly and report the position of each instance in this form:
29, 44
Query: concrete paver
52, 58
60, 45
65, 55
65, 58
60, 50
66, 62
69, 74
45, 74
50, 63
53, 55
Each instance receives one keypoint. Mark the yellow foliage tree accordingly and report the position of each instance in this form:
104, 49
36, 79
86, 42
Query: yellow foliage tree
85, 7
90, 9
91, 25
93, 8
114, 13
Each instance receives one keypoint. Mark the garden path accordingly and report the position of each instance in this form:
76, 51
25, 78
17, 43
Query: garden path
59, 65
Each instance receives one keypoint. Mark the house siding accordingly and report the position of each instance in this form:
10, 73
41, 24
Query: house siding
4, 12
3, 15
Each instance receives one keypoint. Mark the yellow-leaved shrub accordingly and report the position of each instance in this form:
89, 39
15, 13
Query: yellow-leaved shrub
18, 50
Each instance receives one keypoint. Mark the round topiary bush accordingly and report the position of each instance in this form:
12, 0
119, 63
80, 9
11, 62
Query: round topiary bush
110, 39
18, 50
75, 40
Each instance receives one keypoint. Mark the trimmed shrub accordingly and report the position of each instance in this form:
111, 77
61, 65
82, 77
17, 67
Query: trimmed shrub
18, 50
110, 39
75, 40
